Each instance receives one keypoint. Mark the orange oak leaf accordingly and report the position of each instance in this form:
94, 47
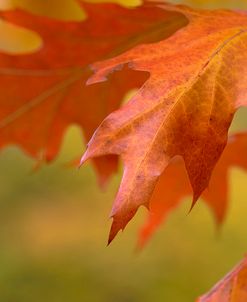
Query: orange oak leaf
173, 186
198, 79
232, 288
44, 92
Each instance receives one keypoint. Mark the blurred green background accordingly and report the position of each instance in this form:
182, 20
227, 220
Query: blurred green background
54, 228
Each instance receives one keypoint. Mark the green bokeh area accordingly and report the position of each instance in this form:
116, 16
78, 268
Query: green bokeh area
54, 226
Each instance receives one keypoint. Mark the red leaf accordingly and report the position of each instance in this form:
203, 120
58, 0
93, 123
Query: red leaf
232, 288
198, 79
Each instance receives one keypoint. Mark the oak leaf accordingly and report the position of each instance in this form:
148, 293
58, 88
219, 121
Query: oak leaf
44, 92
198, 79
232, 288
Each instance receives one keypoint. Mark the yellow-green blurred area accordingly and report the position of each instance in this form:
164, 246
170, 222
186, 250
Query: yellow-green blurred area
54, 226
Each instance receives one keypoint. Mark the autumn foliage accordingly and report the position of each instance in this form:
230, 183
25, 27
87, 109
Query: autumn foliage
232, 288
189, 67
